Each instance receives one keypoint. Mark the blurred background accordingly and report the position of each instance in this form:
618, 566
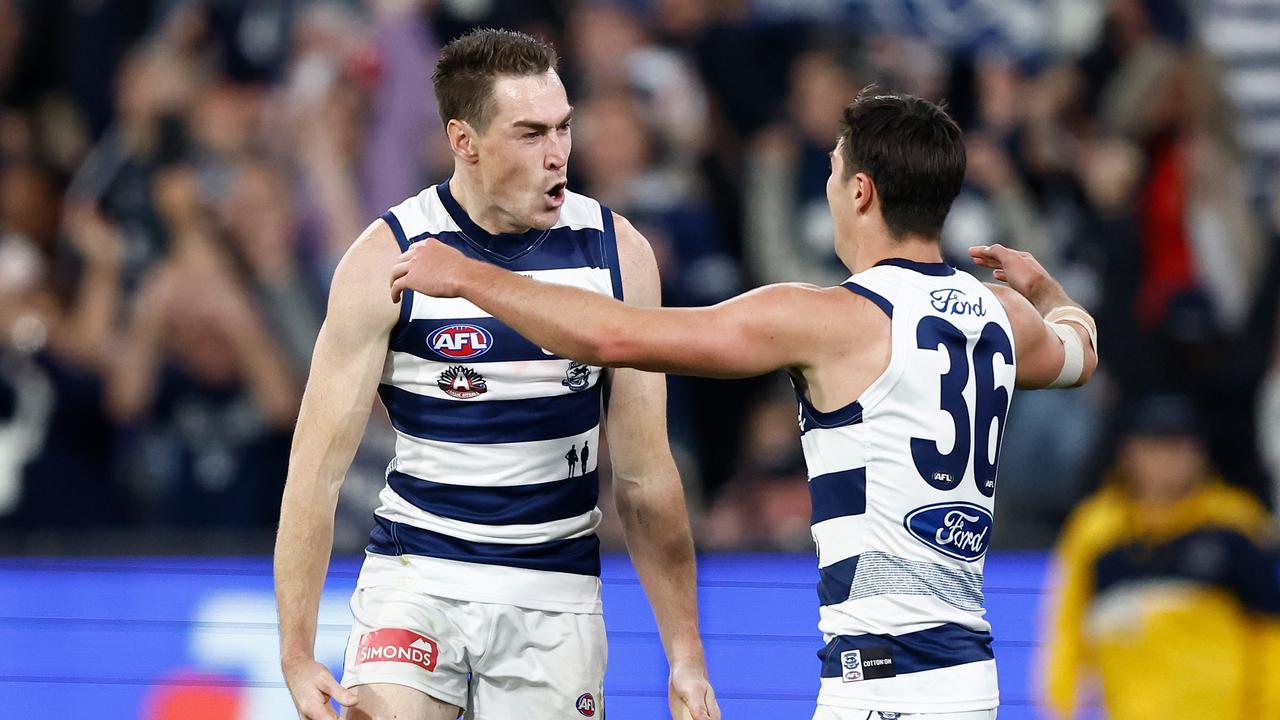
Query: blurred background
178, 179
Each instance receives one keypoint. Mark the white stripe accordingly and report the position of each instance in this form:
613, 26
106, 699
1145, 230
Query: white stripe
479, 582
397, 509
597, 280
959, 689
893, 615
1252, 86
495, 465
424, 213
841, 538
518, 380
1240, 34
828, 450
1262, 136
580, 211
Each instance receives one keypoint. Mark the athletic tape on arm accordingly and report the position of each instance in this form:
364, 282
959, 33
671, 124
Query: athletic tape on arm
1073, 360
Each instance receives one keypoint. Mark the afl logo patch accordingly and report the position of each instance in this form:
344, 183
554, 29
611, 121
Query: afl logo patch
586, 705
460, 342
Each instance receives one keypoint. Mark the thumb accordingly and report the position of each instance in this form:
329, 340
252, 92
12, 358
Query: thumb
698, 709
345, 696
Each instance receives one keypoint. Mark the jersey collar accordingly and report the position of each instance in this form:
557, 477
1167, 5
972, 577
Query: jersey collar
939, 269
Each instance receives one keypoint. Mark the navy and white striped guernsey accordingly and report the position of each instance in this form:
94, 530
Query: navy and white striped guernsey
492, 493
903, 488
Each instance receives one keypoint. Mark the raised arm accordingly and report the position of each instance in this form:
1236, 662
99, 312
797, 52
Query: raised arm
1055, 338
760, 331
345, 369
650, 498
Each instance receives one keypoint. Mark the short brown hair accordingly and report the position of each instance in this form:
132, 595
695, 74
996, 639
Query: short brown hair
913, 152
469, 65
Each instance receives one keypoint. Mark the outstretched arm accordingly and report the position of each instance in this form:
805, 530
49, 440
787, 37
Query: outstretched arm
752, 334
1055, 338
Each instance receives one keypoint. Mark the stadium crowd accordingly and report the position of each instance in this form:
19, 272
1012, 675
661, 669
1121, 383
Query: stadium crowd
178, 179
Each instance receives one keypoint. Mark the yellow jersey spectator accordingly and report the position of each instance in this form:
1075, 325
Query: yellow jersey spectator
1165, 595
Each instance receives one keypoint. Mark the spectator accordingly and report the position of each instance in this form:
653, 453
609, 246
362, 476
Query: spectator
1163, 589
203, 381
57, 307
788, 226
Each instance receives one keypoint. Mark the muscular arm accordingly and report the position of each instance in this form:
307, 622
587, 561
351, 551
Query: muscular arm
752, 334
345, 369
647, 486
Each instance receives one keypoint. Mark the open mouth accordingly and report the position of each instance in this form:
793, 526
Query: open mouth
556, 194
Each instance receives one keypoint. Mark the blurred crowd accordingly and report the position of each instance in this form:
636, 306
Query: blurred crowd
179, 177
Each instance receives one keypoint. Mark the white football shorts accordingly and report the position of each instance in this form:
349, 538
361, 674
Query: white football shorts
497, 662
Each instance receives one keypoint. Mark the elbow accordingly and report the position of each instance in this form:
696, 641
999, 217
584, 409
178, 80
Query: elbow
1090, 366
609, 347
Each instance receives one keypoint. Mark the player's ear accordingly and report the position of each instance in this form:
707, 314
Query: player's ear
462, 140
864, 192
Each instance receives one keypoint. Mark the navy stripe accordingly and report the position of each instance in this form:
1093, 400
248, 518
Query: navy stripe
492, 421
811, 417
835, 581
579, 556
871, 295
506, 505
406, 296
610, 248
504, 344
838, 494
944, 646
939, 269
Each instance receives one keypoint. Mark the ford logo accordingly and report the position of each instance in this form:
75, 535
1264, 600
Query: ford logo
460, 342
960, 530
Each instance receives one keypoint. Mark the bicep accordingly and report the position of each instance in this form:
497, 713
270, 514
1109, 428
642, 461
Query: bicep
349, 355
1040, 353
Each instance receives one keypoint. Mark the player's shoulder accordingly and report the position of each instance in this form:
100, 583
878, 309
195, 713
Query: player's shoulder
366, 265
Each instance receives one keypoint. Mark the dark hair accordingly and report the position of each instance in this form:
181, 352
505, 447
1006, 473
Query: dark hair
469, 65
912, 151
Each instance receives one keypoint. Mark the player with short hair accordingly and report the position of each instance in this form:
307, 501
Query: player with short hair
480, 590
904, 375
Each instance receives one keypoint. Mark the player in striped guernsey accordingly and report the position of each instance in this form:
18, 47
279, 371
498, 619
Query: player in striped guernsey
480, 590
904, 375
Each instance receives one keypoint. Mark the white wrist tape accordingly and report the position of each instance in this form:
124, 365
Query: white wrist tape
1075, 314
1073, 360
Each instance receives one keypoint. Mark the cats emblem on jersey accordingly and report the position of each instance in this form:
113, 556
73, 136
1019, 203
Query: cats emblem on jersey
960, 530
586, 705
851, 665
460, 342
577, 377
462, 382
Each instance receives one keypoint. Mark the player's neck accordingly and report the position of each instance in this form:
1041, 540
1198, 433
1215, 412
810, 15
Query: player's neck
467, 190
872, 250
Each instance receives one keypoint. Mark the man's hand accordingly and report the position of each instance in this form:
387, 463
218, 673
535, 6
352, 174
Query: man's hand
1019, 269
690, 695
429, 267
311, 685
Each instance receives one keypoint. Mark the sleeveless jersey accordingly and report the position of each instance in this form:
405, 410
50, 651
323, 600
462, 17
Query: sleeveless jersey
902, 483
492, 493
